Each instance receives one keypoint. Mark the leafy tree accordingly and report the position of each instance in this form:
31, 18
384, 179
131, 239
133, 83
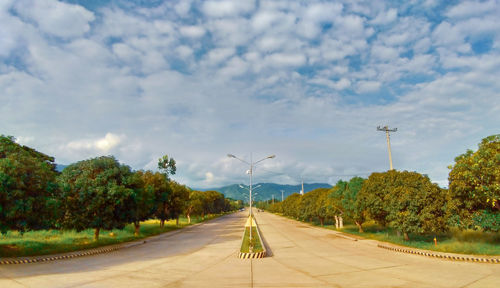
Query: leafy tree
194, 205
408, 200
347, 196
159, 184
474, 187
28, 188
374, 194
167, 166
322, 205
178, 198
95, 195
308, 205
417, 206
144, 198
291, 205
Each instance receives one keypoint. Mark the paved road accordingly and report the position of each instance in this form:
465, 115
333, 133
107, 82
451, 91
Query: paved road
206, 256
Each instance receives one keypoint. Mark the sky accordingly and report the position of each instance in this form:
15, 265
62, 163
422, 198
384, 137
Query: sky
307, 81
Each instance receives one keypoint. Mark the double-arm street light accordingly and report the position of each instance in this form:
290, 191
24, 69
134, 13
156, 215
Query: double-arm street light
252, 165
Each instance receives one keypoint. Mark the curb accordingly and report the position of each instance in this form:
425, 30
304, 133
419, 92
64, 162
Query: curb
95, 251
243, 255
442, 256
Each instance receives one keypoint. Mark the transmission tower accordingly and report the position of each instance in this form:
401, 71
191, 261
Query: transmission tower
387, 130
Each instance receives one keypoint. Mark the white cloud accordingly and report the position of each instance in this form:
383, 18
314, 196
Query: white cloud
221, 8
285, 59
385, 17
338, 85
192, 31
102, 145
472, 8
367, 86
56, 18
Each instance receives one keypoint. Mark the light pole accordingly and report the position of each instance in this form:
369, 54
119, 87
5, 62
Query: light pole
387, 130
252, 165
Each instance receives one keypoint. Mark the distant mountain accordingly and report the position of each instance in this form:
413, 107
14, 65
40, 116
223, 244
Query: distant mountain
60, 167
266, 190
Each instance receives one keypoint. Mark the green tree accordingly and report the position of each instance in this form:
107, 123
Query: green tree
346, 195
95, 195
167, 166
144, 198
474, 187
28, 190
179, 196
159, 184
374, 194
291, 205
194, 206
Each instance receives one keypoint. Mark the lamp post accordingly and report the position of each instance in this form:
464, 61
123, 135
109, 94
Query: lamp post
252, 165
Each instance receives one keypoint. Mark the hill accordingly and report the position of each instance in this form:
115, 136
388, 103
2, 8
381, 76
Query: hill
266, 190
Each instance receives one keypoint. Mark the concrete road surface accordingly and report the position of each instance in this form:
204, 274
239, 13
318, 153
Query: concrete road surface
206, 256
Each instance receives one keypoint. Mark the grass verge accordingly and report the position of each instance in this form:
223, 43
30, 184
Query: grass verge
257, 245
45, 242
455, 241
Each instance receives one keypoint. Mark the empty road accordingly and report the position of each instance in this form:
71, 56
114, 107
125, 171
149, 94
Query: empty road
206, 256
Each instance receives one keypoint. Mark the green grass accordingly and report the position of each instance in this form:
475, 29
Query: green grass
455, 241
44, 242
257, 246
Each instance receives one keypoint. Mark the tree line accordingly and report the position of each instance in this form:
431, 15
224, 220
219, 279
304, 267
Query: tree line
408, 201
98, 193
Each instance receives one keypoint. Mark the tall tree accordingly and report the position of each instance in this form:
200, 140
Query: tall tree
474, 187
28, 190
347, 195
159, 184
179, 196
144, 198
95, 195
194, 205
167, 166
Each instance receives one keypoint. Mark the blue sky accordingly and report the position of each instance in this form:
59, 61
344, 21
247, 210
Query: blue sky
308, 81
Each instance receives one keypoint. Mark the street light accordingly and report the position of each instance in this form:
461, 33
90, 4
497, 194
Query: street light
252, 165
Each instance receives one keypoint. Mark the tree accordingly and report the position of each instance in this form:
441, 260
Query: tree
144, 198
194, 205
291, 205
406, 200
95, 195
474, 187
28, 190
159, 184
167, 166
347, 195
177, 200
374, 194
417, 206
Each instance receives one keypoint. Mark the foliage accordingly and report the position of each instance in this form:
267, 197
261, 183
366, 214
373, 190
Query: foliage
28, 188
291, 205
415, 205
95, 195
474, 186
167, 166
177, 200
346, 194
144, 198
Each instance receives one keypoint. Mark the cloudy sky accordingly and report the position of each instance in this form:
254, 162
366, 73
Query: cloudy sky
308, 81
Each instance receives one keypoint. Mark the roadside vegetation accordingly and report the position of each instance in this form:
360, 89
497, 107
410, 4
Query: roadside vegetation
407, 208
99, 195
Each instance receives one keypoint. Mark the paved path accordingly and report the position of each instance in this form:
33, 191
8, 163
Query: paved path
206, 256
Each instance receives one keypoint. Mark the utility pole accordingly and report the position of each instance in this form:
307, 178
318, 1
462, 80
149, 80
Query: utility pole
281, 195
387, 130
273, 199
